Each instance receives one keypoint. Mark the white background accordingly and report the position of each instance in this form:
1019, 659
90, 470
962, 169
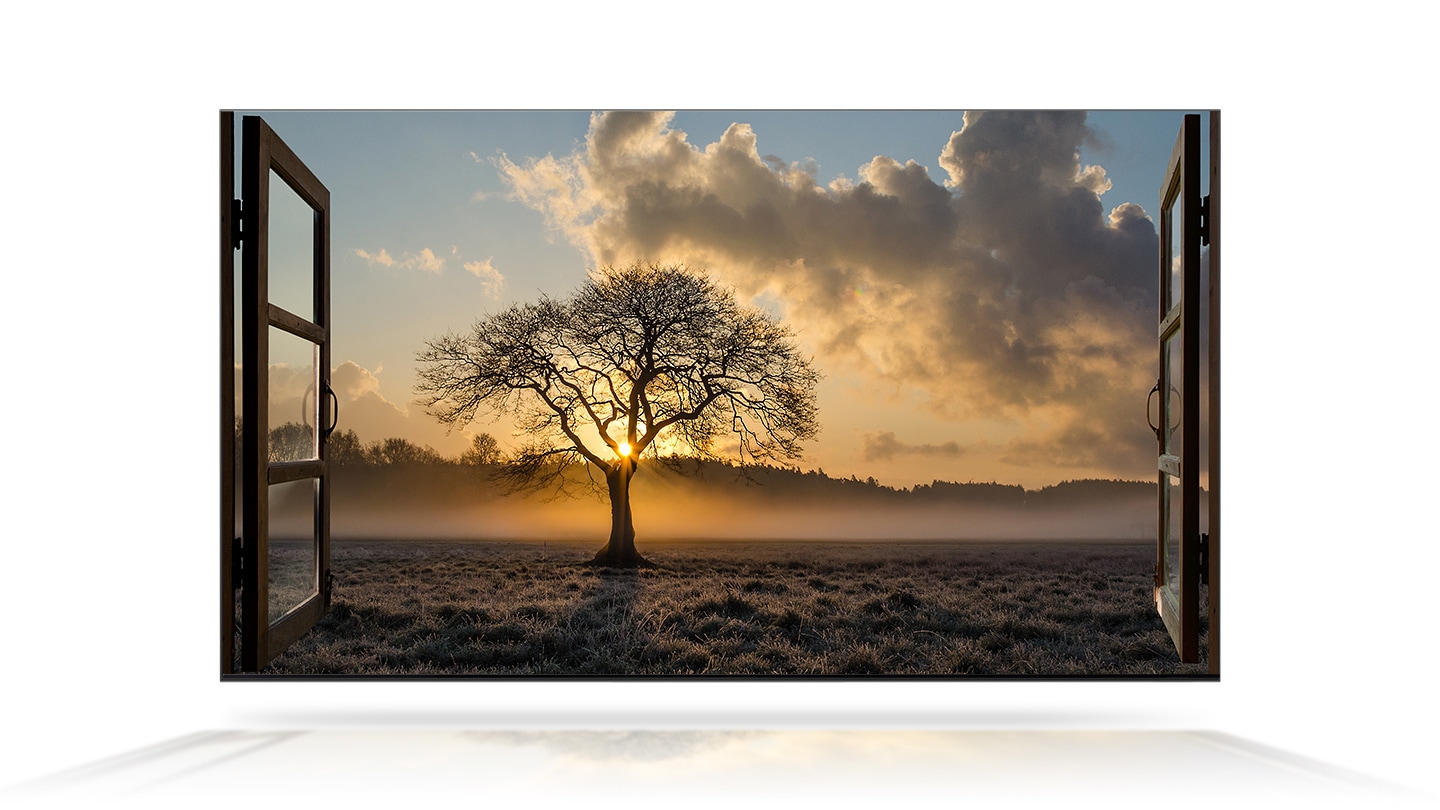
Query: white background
108, 519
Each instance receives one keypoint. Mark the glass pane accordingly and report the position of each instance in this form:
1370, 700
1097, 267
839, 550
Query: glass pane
1174, 513
293, 556
293, 414
239, 380
1173, 380
1203, 416
291, 253
1173, 247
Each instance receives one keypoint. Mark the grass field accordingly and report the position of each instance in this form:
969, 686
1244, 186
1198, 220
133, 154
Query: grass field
778, 608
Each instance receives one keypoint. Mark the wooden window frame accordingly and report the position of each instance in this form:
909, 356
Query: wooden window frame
1181, 611
264, 152
1199, 555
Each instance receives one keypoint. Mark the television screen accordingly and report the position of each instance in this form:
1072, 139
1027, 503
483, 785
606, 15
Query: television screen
700, 394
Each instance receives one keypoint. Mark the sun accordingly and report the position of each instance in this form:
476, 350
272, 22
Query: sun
624, 448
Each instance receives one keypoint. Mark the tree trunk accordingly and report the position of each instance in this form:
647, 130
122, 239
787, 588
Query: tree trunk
620, 551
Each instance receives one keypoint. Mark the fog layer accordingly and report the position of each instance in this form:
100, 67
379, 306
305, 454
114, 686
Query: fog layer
718, 503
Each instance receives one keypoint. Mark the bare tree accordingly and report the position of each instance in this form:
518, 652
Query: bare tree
396, 452
290, 441
484, 450
644, 358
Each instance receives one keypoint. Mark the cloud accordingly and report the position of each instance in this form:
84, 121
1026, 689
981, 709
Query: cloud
291, 393
491, 279
427, 261
381, 258
365, 409
1003, 289
363, 406
424, 260
883, 446
554, 188
351, 381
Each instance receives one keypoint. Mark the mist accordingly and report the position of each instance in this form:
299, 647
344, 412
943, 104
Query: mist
452, 502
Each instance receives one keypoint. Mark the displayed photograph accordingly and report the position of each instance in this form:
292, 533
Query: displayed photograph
709, 394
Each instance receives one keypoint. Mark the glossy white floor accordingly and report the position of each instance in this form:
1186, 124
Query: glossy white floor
707, 768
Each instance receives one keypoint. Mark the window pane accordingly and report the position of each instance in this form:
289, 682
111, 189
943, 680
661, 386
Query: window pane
1172, 501
1173, 380
293, 414
1173, 241
293, 557
291, 250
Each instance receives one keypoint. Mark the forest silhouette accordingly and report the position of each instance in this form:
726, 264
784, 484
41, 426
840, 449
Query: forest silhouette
396, 489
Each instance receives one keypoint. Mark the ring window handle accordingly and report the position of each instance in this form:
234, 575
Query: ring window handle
335, 419
1153, 426
1153, 391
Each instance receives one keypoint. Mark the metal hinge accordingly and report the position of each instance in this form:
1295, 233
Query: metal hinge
329, 581
1205, 220
1204, 559
237, 563
236, 237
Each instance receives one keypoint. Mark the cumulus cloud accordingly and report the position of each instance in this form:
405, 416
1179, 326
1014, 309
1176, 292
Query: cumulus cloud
491, 280
351, 381
1003, 289
365, 409
883, 446
292, 397
292, 393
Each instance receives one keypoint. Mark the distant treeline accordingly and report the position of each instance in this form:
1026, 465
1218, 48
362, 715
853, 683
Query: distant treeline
387, 458
788, 482
294, 440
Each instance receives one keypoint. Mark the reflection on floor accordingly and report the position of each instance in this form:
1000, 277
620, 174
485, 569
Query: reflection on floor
707, 768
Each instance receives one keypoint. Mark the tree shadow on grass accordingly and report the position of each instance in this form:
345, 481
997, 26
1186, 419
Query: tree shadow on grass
607, 635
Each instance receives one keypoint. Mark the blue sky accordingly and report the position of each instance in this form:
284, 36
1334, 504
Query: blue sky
433, 227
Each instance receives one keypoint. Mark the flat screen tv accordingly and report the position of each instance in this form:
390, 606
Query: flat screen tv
719, 394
